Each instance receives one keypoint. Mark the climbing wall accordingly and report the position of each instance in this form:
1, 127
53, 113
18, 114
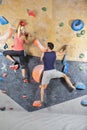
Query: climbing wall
64, 13
48, 20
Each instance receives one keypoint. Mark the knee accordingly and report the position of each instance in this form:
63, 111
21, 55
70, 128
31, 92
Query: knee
43, 86
64, 76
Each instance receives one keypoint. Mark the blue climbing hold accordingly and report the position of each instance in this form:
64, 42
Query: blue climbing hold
77, 25
66, 68
80, 86
5, 46
0, 1
1, 79
3, 20
84, 102
64, 60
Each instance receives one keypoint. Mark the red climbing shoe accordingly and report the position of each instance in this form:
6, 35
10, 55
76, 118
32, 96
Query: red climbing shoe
14, 67
25, 80
37, 104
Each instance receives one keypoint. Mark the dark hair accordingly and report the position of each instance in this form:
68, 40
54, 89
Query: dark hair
50, 45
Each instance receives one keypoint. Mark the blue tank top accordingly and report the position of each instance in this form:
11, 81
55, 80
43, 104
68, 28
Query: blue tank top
49, 59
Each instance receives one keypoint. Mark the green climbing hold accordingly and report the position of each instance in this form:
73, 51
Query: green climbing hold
82, 32
81, 55
61, 24
44, 8
78, 34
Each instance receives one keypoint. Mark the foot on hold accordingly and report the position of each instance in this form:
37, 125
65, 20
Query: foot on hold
25, 80
37, 104
14, 66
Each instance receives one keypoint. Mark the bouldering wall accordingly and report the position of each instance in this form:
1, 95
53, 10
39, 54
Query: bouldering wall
48, 20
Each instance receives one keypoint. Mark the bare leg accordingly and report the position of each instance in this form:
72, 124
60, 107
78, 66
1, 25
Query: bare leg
23, 72
25, 80
10, 58
68, 81
43, 87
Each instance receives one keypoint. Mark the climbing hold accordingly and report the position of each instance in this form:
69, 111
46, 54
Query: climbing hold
24, 96
37, 73
3, 20
80, 86
61, 24
1, 79
0, 1
22, 22
44, 8
37, 104
4, 75
64, 60
82, 32
11, 108
31, 80
77, 25
78, 34
80, 68
81, 55
84, 102
31, 13
66, 68
5, 46
2, 108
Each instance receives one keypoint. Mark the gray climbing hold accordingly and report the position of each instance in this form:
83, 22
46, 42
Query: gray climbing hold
84, 102
80, 68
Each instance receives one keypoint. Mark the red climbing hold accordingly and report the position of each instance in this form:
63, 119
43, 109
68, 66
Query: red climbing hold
31, 13
22, 23
4, 75
24, 96
11, 108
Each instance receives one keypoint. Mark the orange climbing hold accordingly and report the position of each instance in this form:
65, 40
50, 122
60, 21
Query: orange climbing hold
37, 104
37, 73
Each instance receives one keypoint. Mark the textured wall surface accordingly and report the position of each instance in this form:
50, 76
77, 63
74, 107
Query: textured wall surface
46, 25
